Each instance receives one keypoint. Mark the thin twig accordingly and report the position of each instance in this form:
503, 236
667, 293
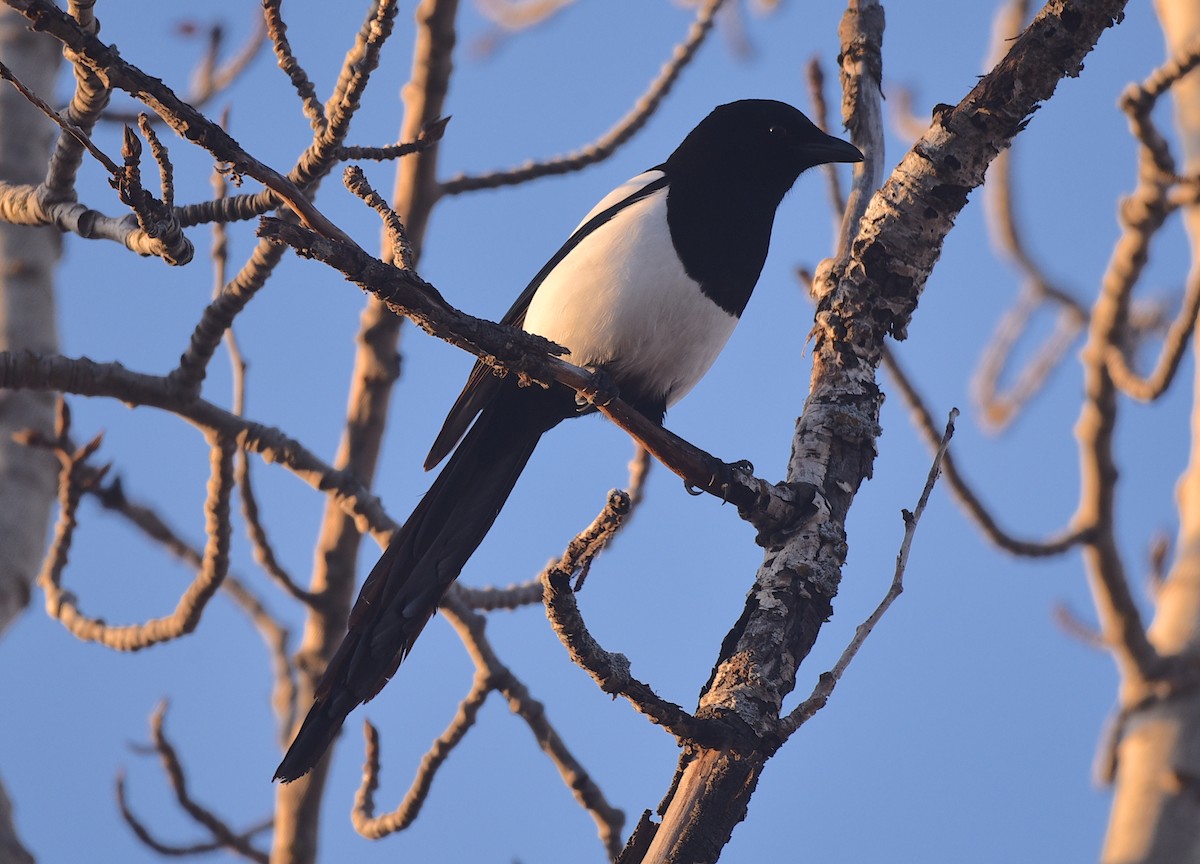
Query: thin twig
394, 230
527, 593
211, 77
106, 62
71, 129
176, 850
610, 141
362, 814
470, 627
820, 116
997, 407
277, 31
493, 597
1156, 572
966, 496
1179, 335
1071, 624
222, 834
431, 134
274, 635
829, 680
490, 674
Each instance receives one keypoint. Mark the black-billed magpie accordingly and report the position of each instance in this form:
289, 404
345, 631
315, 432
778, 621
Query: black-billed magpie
647, 288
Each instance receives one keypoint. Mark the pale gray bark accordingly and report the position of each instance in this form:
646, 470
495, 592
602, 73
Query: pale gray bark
27, 319
28, 257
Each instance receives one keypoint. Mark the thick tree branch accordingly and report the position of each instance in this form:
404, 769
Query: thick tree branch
862, 301
819, 698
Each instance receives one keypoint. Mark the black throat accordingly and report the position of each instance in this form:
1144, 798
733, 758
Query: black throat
721, 228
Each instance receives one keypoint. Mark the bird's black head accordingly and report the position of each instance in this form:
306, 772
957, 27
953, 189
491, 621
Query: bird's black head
762, 143
727, 178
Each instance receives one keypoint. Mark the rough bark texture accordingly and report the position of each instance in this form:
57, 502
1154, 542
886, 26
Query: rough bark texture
863, 300
1156, 812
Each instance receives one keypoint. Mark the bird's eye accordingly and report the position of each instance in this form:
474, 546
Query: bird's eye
778, 131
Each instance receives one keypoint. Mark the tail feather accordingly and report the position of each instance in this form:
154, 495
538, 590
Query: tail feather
403, 590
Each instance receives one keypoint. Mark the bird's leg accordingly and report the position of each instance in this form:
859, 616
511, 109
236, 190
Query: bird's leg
727, 476
600, 390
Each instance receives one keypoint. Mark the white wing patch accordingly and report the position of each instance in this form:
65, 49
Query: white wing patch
621, 298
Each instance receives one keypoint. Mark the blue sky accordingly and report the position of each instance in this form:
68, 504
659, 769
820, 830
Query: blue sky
967, 727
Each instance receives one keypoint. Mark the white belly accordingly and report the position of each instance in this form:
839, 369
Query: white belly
621, 299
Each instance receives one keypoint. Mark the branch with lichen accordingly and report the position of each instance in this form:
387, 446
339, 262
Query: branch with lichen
862, 300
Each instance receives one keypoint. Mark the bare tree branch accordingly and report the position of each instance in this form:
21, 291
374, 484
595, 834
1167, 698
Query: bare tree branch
861, 72
189, 123
970, 502
223, 837
606, 144
1157, 175
1142, 214
470, 627
611, 671
863, 300
88, 102
820, 112
363, 815
211, 77
174, 850
62, 605
770, 508
805, 711
376, 361
277, 31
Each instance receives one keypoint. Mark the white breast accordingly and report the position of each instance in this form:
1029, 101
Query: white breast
622, 299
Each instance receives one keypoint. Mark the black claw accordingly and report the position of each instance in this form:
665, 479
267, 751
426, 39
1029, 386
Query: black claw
601, 390
744, 465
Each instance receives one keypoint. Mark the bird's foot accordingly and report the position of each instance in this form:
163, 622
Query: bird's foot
743, 465
601, 389
724, 479
729, 469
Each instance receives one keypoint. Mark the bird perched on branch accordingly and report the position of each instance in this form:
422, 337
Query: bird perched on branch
648, 288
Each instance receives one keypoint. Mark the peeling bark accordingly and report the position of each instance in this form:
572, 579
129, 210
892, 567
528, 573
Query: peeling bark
861, 300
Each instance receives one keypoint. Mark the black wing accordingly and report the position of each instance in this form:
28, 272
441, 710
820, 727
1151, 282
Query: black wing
483, 383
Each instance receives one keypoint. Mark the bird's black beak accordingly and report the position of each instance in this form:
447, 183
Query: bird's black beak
830, 149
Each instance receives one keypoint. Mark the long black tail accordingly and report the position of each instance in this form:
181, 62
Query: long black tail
403, 590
